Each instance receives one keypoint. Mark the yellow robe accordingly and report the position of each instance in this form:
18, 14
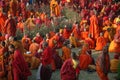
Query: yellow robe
114, 65
54, 7
73, 41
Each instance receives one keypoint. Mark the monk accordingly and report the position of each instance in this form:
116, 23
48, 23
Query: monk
66, 32
33, 48
54, 7
3, 48
51, 33
84, 34
100, 43
10, 26
30, 23
73, 40
70, 68
115, 44
26, 41
45, 68
66, 52
20, 25
86, 60
2, 21
90, 42
18, 45
114, 63
19, 66
2, 38
94, 28
76, 32
103, 64
53, 42
109, 33
13, 7
38, 38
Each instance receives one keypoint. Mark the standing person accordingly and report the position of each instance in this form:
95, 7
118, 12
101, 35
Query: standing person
55, 9
94, 28
103, 64
19, 66
70, 69
10, 26
13, 7
45, 68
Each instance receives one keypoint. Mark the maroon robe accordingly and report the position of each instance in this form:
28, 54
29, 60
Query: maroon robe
20, 68
67, 71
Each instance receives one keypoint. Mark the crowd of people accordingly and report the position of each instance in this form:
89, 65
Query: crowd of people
98, 29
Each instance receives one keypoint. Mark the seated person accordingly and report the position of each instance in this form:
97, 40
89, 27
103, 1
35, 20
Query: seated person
86, 60
70, 68
101, 42
114, 63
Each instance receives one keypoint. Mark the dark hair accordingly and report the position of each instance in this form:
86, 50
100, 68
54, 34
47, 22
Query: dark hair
12, 46
45, 44
15, 38
73, 55
3, 43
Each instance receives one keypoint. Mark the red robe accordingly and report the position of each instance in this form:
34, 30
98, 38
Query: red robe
47, 56
67, 71
103, 66
38, 39
20, 68
10, 27
90, 42
2, 22
85, 60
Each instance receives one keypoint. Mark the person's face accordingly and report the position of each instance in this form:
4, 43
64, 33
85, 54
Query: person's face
11, 49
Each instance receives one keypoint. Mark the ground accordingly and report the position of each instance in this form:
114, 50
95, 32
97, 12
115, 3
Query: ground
84, 75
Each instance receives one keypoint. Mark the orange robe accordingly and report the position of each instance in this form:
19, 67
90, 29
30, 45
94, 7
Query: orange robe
20, 26
53, 42
33, 48
66, 53
52, 34
76, 33
55, 8
2, 22
102, 69
90, 42
101, 42
18, 45
94, 28
26, 42
66, 33
84, 35
85, 60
